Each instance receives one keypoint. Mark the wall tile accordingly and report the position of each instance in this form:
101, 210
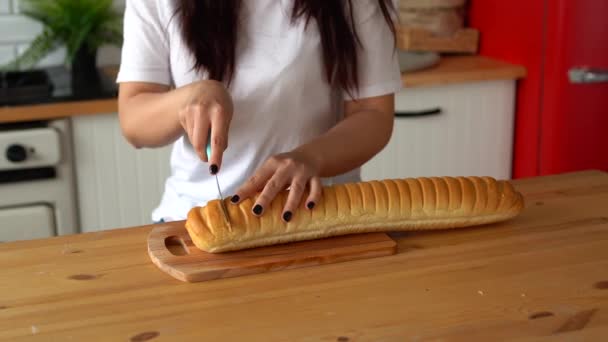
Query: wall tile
18, 28
7, 53
16, 8
54, 58
18, 31
5, 6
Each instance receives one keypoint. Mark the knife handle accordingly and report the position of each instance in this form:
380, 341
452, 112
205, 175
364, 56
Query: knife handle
209, 145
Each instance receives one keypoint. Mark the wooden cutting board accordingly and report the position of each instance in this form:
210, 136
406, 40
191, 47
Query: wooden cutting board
172, 250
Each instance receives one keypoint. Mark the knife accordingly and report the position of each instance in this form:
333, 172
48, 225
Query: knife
217, 182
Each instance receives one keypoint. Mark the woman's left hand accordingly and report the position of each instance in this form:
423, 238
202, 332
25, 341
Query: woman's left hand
294, 170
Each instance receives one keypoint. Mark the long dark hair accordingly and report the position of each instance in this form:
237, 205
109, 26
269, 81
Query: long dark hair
209, 29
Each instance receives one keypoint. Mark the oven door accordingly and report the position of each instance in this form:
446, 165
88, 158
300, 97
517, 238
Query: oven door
26, 223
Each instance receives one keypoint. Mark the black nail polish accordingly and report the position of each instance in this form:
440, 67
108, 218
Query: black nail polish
287, 216
258, 209
213, 169
235, 199
310, 205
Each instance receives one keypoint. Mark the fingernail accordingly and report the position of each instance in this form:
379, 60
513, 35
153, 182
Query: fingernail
310, 205
287, 216
213, 169
235, 199
258, 209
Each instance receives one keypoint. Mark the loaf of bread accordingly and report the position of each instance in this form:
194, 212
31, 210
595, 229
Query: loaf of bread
376, 206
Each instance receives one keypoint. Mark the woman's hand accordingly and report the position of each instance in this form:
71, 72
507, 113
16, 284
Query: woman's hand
366, 129
294, 170
208, 109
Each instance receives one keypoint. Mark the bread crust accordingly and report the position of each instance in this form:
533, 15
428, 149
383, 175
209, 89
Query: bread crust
408, 204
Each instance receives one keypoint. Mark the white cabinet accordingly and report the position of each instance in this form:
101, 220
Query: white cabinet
471, 135
118, 185
35, 221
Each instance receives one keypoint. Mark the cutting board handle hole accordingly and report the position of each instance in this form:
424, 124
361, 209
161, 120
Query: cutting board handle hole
176, 246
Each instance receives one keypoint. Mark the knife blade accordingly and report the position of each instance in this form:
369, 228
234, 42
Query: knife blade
219, 190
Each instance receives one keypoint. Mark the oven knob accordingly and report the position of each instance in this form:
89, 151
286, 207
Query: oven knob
16, 153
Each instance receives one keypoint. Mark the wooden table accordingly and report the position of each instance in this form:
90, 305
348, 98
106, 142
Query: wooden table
544, 274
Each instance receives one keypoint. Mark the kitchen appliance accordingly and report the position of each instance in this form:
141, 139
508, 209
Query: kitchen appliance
51, 85
172, 250
37, 192
37, 180
18, 87
562, 104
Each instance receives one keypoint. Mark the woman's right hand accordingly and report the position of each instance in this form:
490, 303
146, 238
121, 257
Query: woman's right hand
208, 108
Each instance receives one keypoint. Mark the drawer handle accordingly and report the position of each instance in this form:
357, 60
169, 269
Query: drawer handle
414, 113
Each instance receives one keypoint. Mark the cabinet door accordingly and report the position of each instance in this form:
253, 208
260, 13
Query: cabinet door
25, 223
118, 185
451, 130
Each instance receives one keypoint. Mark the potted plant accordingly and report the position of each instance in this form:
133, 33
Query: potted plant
82, 26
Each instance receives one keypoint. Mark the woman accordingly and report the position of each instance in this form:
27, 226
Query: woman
293, 93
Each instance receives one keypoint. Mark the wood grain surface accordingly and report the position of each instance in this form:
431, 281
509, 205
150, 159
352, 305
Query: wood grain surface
459, 69
57, 110
417, 39
172, 250
541, 276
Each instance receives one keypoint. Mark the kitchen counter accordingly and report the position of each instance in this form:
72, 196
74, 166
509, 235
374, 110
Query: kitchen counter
460, 69
454, 69
541, 274
57, 110
63, 101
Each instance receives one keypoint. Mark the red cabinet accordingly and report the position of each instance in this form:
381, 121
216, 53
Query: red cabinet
562, 105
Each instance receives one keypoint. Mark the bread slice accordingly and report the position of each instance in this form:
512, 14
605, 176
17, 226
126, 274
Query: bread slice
376, 206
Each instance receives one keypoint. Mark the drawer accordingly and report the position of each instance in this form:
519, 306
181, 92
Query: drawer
29, 148
453, 130
25, 223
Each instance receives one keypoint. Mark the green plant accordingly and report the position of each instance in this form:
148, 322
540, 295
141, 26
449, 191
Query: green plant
75, 24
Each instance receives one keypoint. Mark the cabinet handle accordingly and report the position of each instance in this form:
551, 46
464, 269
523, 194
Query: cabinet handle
414, 113
586, 75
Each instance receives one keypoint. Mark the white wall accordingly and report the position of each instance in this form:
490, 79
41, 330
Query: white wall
17, 31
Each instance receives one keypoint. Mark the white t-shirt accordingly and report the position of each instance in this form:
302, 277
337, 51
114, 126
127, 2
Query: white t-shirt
281, 97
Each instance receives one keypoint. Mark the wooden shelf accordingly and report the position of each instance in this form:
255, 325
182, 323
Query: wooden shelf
459, 69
